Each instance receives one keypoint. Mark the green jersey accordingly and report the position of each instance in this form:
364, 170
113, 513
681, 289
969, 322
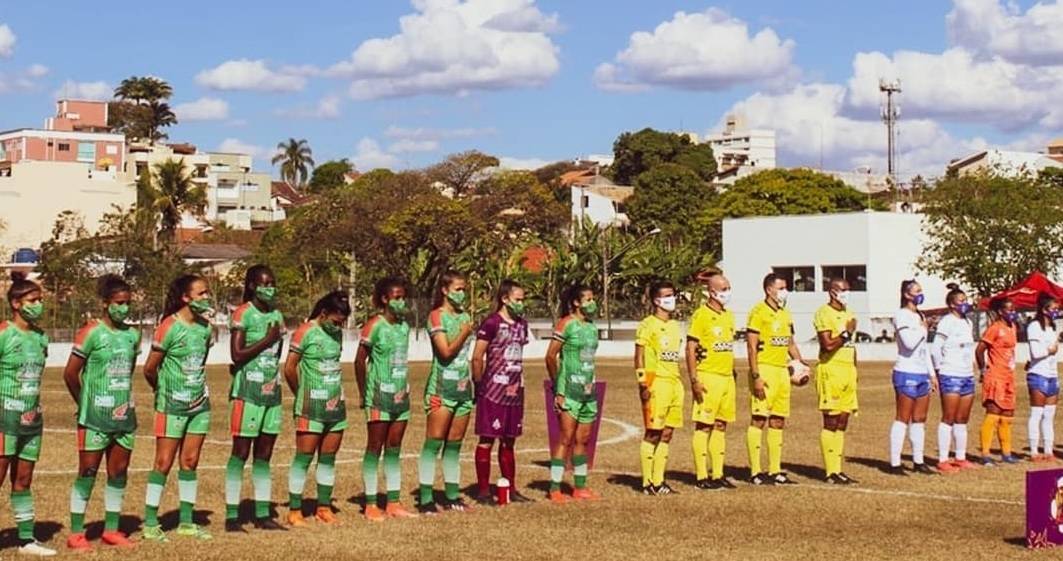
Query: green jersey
450, 380
259, 380
106, 401
22, 357
320, 396
579, 342
387, 385
182, 387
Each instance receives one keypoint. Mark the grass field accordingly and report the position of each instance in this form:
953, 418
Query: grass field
972, 515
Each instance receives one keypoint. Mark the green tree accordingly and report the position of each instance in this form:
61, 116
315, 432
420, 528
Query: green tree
296, 159
990, 231
172, 193
669, 196
141, 110
66, 261
638, 152
460, 172
330, 175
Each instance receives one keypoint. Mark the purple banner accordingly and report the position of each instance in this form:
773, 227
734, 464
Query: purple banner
553, 425
1044, 508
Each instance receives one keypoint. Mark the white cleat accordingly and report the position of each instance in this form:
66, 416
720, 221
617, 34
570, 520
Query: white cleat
35, 549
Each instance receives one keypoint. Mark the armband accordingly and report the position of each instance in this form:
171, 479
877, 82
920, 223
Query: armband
640, 375
845, 336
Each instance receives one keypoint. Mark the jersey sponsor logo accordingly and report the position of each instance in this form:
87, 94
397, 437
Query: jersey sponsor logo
28, 418
496, 424
388, 387
332, 404
400, 397
451, 374
670, 356
14, 404
269, 387
29, 389
513, 390
118, 383
319, 394
121, 412
500, 379
181, 395
783, 341
255, 376
722, 347
103, 401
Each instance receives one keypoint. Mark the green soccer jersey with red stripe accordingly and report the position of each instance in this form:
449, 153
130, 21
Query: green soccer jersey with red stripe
449, 379
182, 387
579, 343
22, 358
387, 385
106, 401
320, 394
258, 380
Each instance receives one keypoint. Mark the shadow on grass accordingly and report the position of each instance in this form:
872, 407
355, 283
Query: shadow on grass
1016, 541
44, 531
127, 524
171, 519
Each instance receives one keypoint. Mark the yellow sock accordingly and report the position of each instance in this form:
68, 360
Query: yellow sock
646, 459
839, 449
774, 450
826, 446
989, 427
1005, 436
701, 450
753, 446
660, 461
717, 445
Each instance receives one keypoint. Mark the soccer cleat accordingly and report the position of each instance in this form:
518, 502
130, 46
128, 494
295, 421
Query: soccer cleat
296, 519
485, 499
374, 514
833, 479
665, 489
395, 510
781, 479
36, 549
234, 527
846, 479
897, 470
193, 530
724, 483
761, 479
1009, 459
559, 498
457, 505
988, 462
268, 524
515, 497
325, 515
923, 469
154, 534
948, 467
650, 490
428, 509
589, 495
78, 542
965, 464
117, 539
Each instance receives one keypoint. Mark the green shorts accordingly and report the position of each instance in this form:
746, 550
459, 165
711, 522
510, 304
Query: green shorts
373, 415
26, 447
303, 424
458, 408
177, 426
583, 412
90, 440
249, 420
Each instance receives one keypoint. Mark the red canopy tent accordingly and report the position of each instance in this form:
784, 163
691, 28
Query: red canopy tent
1024, 294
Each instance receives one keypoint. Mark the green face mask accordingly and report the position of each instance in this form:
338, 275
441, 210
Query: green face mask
457, 298
397, 307
589, 308
331, 328
118, 312
32, 312
200, 307
266, 293
516, 309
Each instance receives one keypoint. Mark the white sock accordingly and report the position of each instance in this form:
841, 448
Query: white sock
1033, 429
959, 432
897, 430
917, 436
944, 440
1048, 429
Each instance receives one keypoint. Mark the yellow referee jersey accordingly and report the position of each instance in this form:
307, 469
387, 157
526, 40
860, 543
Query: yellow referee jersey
776, 330
662, 343
715, 332
834, 321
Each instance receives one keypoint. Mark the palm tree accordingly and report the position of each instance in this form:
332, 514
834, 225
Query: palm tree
171, 193
150, 112
131, 89
296, 160
161, 116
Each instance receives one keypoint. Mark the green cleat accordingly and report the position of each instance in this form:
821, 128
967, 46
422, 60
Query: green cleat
154, 534
194, 531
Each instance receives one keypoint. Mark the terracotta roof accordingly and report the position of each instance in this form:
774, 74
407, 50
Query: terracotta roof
288, 192
352, 176
615, 193
575, 176
183, 148
218, 252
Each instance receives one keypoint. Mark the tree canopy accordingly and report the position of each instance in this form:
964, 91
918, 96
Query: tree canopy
329, 175
638, 152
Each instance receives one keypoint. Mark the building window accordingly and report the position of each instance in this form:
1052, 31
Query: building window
112, 150
855, 274
798, 279
87, 152
584, 201
64, 147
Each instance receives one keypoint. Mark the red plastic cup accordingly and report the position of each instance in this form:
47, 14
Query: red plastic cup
502, 491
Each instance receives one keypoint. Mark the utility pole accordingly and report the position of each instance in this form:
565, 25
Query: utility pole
890, 113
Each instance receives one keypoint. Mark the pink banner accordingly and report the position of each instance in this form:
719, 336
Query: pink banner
1044, 508
553, 425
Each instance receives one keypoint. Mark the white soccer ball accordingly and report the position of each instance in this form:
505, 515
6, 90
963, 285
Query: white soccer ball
800, 374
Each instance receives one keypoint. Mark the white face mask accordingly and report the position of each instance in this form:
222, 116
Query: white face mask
723, 297
842, 297
781, 297
666, 303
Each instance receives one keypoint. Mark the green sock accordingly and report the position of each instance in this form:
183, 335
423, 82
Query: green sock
393, 473
113, 494
234, 478
579, 471
370, 465
187, 486
326, 478
79, 501
22, 506
297, 479
156, 482
452, 469
427, 468
557, 472
261, 482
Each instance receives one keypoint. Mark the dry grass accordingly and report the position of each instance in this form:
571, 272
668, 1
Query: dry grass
973, 515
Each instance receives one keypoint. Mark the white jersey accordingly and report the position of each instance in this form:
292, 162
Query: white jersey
953, 347
913, 352
1040, 339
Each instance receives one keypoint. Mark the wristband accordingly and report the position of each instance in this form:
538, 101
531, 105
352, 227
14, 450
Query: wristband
754, 375
845, 336
640, 375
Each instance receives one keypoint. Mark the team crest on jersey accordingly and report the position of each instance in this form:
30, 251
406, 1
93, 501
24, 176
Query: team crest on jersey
28, 417
463, 384
332, 404
512, 390
121, 412
717, 330
497, 424
400, 396
268, 387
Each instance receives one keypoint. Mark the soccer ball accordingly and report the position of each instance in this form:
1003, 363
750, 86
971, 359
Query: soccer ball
799, 373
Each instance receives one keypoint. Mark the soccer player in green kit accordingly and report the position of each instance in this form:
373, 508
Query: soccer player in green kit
314, 375
575, 339
382, 370
99, 375
257, 329
176, 371
23, 350
448, 396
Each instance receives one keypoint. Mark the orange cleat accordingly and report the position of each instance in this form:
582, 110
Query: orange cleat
559, 498
296, 519
585, 495
325, 515
948, 467
117, 539
78, 542
965, 464
395, 510
373, 513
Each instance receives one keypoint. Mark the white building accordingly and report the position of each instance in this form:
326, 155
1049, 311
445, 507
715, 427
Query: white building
600, 201
740, 152
1006, 162
875, 251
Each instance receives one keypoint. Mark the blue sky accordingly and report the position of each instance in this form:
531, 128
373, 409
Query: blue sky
546, 80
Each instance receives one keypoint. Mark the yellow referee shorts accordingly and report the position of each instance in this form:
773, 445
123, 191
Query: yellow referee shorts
665, 406
836, 385
776, 402
718, 401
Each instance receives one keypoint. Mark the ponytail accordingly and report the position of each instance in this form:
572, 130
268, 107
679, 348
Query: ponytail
570, 295
178, 290
337, 301
505, 288
445, 281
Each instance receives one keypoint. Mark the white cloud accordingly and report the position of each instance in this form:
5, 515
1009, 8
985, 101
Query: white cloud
422, 133
24, 80
708, 50
203, 109
409, 145
987, 26
454, 47
7, 41
70, 89
245, 74
37, 71
237, 146
327, 107
507, 162
368, 155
